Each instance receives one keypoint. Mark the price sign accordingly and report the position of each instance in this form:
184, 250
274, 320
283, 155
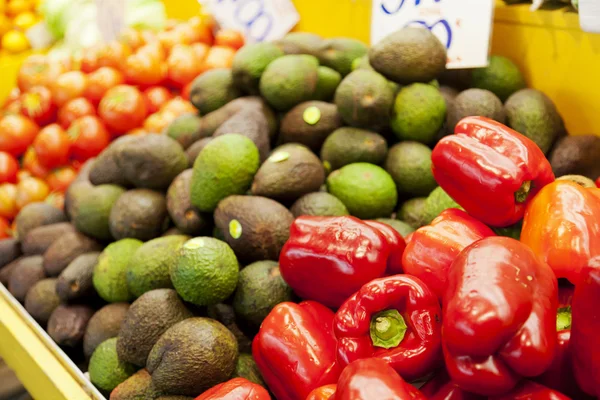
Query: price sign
111, 18
260, 20
463, 26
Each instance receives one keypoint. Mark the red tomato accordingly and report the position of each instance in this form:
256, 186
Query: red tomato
31, 190
184, 65
122, 109
156, 97
113, 55
149, 36
88, 136
24, 174
56, 199
4, 228
153, 49
32, 164
179, 106
168, 39
89, 59
52, 146
68, 86
230, 38
201, 50
12, 108
137, 132
16, 134
200, 29
144, 70
8, 200
38, 70
8, 168
157, 122
132, 38
100, 81
60, 179
218, 57
37, 104
74, 109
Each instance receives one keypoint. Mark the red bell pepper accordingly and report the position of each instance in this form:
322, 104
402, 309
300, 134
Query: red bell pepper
562, 226
371, 379
598, 182
295, 349
397, 246
499, 316
396, 319
326, 392
236, 389
585, 340
440, 387
491, 170
528, 390
327, 259
432, 248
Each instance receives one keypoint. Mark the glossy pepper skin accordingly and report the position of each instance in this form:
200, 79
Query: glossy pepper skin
326, 392
295, 349
236, 389
585, 340
396, 319
491, 170
528, 390
372, 378
562, 226
440, 387
397, 246
499, 316
433, 248
327, 259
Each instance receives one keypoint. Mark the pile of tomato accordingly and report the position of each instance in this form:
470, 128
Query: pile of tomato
65, 112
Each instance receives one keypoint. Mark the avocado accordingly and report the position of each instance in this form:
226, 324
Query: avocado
10, 249
137, 387
448, 92
328, 81
310, 123
74, 190
501, 77
289, 81
7, 270
66, 249
419, 113
104, 324
300, 43
319, 204
437, 201
401, 227
350, 145
532, 113
255, 227
366, 189
576, 155
27, 272
260, 288
213, 89
185, 129
152, 161
105, 169
339, 53
76, 281
41, 300
291, 171
245, 367
193, 356
91, 210
106, 369
409, 164
362, 63
365, 99
139, 214
409, 55
34, 215
413, 212
252, 124
250, 62
225, 314
479, 102
149, 267
147, 319
194, 150
186, 217
67, 324
172, 232
110, 273
39, 239
580, 180
225, 166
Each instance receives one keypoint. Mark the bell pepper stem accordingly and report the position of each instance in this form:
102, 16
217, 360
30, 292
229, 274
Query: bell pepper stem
563, 319
523, 192
387, 329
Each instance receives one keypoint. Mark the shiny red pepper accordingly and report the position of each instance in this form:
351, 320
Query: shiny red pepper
397, 245
373, 379
236, 389
396, 319
585, 340
499, 316
326, 392
528, 390
432, 248
440, 387
491, 170
295, 349
327, 259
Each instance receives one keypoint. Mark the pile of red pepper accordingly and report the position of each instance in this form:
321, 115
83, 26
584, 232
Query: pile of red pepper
463, 312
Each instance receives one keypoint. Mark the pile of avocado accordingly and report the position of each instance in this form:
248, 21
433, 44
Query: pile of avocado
163, 265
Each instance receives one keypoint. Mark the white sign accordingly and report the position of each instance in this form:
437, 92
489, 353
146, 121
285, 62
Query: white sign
259, 20
463, 26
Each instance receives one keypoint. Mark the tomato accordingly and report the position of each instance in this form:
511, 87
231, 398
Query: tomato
202, 26
12, 108
8, 200
157, 122
37, 104
156, 97
230, 38
74, 109
32, 165
52, 146
153, 49
195, 33
24, 174
60, 179
113, 55
133, 38
122, 109
31, 190
144, 70
168, 39
68, 86
16, 134
38, 70
89, 59
100, 81
8, 168
218, 57
88, 137
184, 65
4, 228
201, 50
56, 199
149, 36
179, 106
186, 92
137, 132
